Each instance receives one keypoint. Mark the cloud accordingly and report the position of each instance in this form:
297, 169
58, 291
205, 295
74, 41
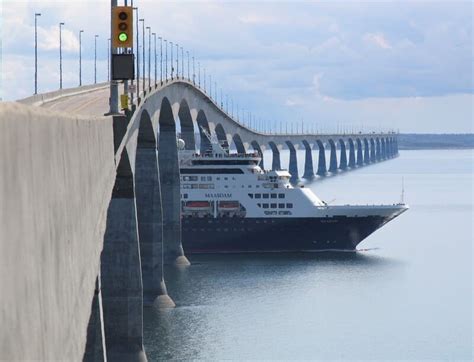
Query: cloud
377, 39
48, 39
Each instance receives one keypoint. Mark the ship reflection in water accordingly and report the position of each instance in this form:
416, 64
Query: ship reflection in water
407, 296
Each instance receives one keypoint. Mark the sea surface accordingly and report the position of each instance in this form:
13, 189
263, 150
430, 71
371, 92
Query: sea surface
407, 294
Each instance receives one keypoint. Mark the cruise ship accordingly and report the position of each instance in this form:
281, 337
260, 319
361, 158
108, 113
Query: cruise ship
229, 204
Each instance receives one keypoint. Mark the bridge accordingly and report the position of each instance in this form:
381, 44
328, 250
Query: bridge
91, 210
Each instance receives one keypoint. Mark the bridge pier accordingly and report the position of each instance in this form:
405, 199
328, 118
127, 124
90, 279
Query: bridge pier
360, 156
308, 163
321, 159
333, 157
352, 158
121, 276
366, 151
150, 216
343, 158
276, 164
372, 150
293, 166
95, 343
257, 148
168, 166
378, 155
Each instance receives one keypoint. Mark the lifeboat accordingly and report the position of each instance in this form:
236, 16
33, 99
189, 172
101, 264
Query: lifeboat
229, 205
197, 206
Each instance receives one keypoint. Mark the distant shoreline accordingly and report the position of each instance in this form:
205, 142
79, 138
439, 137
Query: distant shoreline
427, 141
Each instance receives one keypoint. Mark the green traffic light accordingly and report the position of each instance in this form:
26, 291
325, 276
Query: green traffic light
123, 37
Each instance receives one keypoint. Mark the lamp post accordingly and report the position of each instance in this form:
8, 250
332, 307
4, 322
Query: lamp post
143, 48
80, 57
194, 71
154, 40
182, 63
177, 61
138, 58
95, 58
60, 56
171, 62
109, 45
166, 60
161, 60
204, 80
149, 57
189, 76
199, 74
36, 52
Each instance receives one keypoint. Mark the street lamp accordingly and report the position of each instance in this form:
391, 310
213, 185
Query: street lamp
161, 60
182, 63
149, 57
194, 71
166, 60
80, 57
36, 52
60, 57
95, 58
199, 74
143, 48
109, 45
189, 76
171, 62
138, 59
154, 40
204, 80
177, 61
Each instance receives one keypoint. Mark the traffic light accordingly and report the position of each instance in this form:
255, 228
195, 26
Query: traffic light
122, 27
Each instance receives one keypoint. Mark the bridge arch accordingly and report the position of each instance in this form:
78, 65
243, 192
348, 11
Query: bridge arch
257, 148
360, 153
373, 156
149, 215
352, 156
239, 145
203, 125
343, 158
293, 166
308, 164
170, 185
187, 126
222, 136
333, 156
124, 336
276, 164
321, 159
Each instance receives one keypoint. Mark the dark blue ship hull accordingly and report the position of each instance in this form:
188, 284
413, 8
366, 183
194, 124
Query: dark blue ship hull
209, 235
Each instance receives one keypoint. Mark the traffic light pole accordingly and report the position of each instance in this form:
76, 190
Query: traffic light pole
113, 99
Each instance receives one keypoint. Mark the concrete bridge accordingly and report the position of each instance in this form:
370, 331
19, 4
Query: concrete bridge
91, 212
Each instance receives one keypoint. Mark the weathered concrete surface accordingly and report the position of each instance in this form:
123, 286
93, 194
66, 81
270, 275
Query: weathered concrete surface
56, 177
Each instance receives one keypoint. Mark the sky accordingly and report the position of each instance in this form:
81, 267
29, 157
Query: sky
329, 65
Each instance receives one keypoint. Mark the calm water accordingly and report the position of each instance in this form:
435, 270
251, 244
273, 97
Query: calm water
407, 295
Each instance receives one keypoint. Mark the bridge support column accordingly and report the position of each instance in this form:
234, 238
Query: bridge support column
378, 150
372, 150
360, 156
321, 159
308, 162
352, 158
333, 157
171, 196
256, 147
276, 164
366, 151
95, 343
293, 166
149, 217
383, 149
121, 276
343, 158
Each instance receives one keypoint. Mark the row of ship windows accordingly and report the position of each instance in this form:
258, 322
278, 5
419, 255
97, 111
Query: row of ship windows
198, 186
267, 196
274, 206
204, 178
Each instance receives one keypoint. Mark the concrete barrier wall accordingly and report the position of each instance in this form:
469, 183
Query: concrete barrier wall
56, 177
39, 99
